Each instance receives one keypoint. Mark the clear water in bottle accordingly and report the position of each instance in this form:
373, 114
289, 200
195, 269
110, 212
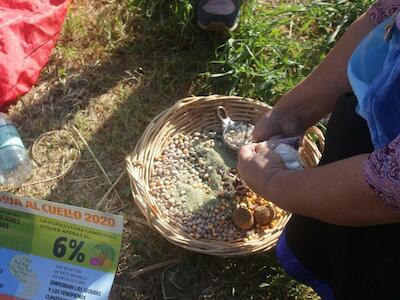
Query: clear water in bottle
15, 165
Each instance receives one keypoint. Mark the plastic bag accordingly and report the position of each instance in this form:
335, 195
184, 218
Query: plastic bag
290, 156
286, 148
28, 32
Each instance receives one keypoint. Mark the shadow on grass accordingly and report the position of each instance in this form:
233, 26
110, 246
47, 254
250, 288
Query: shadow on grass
111, 102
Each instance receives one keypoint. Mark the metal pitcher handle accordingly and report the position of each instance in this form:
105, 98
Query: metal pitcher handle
224, 117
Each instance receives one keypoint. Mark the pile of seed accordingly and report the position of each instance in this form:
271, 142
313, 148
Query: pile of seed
197, 189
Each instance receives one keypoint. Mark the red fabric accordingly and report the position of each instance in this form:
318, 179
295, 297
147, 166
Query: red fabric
28, 32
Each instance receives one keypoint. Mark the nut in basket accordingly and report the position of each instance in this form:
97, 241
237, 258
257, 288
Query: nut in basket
186, 184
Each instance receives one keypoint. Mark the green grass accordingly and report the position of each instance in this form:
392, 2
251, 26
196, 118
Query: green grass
118, 63
273, 49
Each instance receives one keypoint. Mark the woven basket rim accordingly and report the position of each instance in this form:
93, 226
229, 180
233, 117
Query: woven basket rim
159, 130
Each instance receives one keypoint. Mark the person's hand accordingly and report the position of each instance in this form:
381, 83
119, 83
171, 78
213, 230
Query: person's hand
273, 124
257, 165
266, 127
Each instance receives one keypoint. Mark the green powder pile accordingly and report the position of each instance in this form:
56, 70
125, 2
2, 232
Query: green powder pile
217, 156
196, 196
219, 159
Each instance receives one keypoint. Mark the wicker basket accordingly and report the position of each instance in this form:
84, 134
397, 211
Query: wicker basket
187, 116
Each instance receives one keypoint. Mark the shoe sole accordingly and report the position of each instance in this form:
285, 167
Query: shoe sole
218, 26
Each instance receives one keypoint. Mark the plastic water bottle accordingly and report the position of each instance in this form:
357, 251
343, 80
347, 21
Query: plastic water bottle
15, 165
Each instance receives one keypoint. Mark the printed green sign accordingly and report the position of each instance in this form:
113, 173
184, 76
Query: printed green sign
55, 251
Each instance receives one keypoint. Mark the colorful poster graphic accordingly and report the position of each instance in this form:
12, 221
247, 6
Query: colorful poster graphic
57, 252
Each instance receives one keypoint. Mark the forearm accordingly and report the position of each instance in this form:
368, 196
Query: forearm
316, 95
335, 193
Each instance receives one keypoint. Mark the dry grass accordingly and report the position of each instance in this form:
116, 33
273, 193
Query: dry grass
110, 74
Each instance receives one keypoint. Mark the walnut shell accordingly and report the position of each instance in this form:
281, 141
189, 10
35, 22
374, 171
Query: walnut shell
264, 214
243, 218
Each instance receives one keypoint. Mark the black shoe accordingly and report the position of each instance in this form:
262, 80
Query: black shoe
218, 15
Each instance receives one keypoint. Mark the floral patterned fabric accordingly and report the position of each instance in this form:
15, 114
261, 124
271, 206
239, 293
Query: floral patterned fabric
382, 9
382, 172
382, 169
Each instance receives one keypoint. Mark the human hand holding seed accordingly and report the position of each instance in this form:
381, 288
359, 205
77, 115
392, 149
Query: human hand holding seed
276, 124
257, 164
266, 127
